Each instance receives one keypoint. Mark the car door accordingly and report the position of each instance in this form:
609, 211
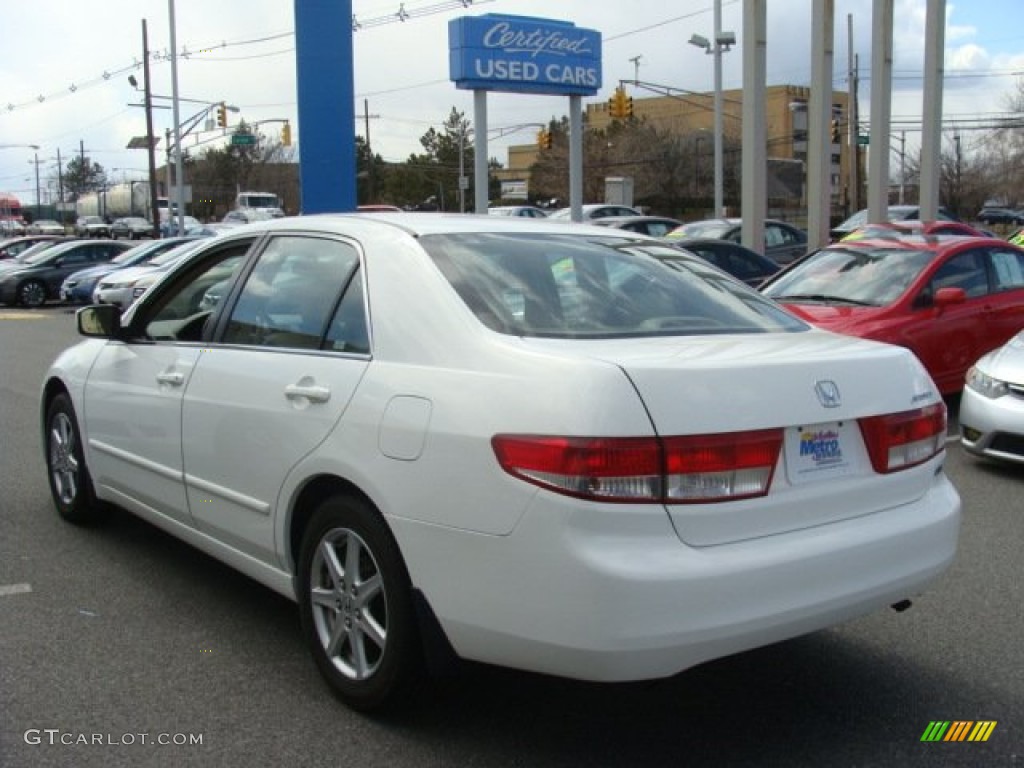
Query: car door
69, 262
284, 362
134, 393
782, 244
947, 338
1005, 303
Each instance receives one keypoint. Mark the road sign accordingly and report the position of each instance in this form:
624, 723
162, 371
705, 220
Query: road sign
863, 140
243, 139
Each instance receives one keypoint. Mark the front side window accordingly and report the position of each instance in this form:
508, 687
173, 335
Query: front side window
180, 312
966, 271
561, 286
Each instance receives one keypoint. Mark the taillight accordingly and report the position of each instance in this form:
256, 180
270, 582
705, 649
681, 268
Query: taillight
721, 467
897, 441
697, 468
616, 469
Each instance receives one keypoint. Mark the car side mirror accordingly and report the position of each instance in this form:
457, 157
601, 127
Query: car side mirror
100, 321
947, 297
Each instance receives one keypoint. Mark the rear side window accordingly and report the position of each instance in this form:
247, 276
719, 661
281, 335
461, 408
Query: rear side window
1009, 269
562, 286
292, 292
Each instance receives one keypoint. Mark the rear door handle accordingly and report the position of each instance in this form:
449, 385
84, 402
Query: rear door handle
311, 392
171, 378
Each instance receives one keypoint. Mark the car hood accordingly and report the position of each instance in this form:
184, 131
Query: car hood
98, 271
128, 274
838, 318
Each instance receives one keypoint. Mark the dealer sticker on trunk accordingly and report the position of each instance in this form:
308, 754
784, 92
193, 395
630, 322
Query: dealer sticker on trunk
818, 451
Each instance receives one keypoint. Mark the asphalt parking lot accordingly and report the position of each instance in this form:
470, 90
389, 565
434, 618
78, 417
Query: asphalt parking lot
113, 633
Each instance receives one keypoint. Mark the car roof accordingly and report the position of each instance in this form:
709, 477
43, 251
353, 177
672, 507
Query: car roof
418, 224
916, 241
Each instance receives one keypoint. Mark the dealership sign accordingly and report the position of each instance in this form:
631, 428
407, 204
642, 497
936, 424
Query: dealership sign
521, 54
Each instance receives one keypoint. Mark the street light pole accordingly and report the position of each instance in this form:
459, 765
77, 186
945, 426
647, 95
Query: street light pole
178, 170
719, 169
722, 42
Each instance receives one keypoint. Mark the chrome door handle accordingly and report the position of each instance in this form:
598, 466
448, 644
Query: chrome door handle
312, 393
172, 378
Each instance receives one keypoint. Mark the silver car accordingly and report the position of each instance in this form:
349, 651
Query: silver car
992, 406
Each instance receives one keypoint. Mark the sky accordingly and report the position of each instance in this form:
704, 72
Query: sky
64, 75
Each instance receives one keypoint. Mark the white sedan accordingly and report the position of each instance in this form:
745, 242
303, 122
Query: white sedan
518, 442
992, 406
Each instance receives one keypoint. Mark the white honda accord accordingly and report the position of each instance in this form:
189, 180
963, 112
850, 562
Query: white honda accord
512, 441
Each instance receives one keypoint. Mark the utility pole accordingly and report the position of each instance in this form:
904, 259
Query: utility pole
853, 157
60, 186
636, 67
36, 162
150, 150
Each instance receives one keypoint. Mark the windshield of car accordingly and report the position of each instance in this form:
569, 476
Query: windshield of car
34, 250
714, 229
868, 276
169, 257
562, 286
48, 251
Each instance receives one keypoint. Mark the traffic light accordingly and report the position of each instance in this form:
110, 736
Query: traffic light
620, 106
222, 116
835, 131
286, 135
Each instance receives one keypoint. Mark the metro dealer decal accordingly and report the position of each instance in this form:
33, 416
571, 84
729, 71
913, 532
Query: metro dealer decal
822, 446
818, 451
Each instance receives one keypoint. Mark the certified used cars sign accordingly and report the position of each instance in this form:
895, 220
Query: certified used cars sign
521, 54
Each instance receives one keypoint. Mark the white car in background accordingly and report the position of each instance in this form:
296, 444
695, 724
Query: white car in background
655, 466
992, 406
125, 285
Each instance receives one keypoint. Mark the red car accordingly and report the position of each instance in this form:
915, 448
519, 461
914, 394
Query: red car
913, 227
948, 299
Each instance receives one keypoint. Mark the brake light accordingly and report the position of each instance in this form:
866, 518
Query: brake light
616, 469
721, 467
696, 468
901, 440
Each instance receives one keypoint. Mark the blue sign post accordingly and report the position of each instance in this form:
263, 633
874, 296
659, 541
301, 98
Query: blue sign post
523, 54
326, 94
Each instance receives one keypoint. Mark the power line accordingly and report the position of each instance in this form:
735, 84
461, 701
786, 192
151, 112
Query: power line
199, 53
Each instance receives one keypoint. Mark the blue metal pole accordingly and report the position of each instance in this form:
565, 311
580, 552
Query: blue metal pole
326, 95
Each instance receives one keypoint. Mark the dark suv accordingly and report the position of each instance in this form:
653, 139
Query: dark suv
32, 282
992, 215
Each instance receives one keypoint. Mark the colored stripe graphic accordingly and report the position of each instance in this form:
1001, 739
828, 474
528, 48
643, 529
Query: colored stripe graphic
959, 730
982, 730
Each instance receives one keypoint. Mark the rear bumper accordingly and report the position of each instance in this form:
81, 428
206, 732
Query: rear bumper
605, 595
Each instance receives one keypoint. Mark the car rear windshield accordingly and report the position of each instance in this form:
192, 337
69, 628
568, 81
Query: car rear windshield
570, 286
867, 276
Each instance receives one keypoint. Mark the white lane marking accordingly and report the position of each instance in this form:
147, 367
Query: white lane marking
14, 589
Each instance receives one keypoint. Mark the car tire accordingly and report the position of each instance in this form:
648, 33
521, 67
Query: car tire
356, 606
70, 483
32, 293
